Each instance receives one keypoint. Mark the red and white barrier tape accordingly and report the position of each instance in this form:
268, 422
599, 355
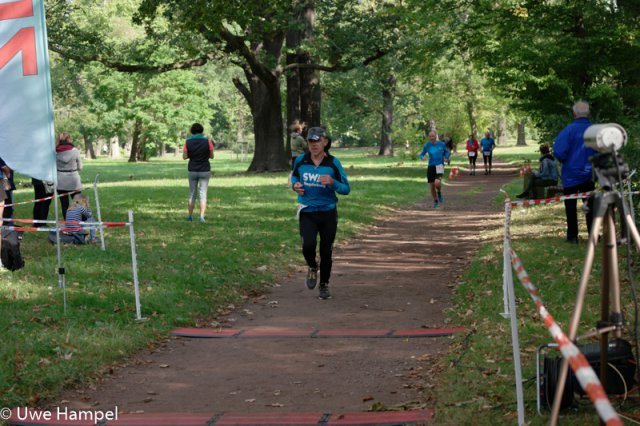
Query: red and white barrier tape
587, 378
38, 200
454, 173
70, 222
541, 201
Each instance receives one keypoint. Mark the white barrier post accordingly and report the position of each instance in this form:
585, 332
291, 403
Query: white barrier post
95, 193
134, 265
507, 274
510, 309
61, 283
515, 343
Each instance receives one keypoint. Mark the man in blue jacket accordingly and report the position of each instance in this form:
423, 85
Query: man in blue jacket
316, 177
577, 176
438, 154
488, 144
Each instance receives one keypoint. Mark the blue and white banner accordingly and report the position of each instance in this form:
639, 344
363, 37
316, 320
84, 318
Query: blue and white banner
27, 142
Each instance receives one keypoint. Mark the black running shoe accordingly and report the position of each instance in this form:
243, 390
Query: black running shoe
312, 278
324, 291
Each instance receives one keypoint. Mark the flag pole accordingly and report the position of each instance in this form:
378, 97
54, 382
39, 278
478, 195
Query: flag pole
61, 282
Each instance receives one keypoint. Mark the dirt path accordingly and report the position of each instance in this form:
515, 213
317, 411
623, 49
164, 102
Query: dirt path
399, 275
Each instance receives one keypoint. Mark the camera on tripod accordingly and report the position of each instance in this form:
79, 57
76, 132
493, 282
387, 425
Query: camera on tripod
607, 139
613, 359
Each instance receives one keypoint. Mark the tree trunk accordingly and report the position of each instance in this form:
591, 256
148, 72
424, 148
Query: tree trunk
502, 131
522, 141
470, 98
88, 145
267, 124
293, 85
303, 85
114, 147
266, 103
388, 94
263, 96
136, 142
310, 97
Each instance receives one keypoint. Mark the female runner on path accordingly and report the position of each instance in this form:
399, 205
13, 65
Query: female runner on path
316, 177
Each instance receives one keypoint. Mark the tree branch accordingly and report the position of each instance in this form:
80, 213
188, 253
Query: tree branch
136, 68
242, 89
338, 67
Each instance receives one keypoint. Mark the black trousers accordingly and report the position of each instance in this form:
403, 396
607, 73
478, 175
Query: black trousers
7, 213
571, 208
324, 224
64, 201
40, 208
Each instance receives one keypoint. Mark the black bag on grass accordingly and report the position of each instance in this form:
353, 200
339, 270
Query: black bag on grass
11, 256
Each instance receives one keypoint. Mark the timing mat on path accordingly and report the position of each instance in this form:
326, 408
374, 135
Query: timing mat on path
296, 332
378, 418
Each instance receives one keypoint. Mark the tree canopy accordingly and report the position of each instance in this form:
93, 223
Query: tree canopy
143, 70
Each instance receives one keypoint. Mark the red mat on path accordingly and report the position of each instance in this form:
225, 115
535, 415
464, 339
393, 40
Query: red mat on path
294, 332
379, 418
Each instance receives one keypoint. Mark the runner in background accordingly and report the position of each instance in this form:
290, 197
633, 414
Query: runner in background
438, 154
316, 177
198, 149
472, 153
448, 141
488, 144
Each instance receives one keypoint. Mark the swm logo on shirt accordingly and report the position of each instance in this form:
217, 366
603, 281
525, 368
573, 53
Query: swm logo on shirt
312, 179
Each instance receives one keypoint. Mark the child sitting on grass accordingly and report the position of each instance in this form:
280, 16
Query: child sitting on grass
79, 211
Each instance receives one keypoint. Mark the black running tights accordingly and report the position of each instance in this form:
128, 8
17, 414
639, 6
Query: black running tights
324, 224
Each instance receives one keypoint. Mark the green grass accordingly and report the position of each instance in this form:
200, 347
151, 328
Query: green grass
477, 383
187, 271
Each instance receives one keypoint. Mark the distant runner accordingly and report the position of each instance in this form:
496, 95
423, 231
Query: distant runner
472, 153
488, 144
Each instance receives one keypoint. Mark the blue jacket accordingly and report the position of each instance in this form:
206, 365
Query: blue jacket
438, 152
318, 197
487, 144
570, 150
548, 168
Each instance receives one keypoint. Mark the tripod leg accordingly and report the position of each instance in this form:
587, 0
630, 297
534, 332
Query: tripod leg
577, 312
610, 292
633, 230
613, 274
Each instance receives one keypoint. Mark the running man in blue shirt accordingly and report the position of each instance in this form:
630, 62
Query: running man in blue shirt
488, 144
438, 153
316, 177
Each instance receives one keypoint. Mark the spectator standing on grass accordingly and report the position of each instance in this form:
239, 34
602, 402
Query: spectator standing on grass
317, 176
438, 154
576, 174
41, 190
488, 145
546, 176
472, 153
3, 195
69, 164
8, 192
199, 150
